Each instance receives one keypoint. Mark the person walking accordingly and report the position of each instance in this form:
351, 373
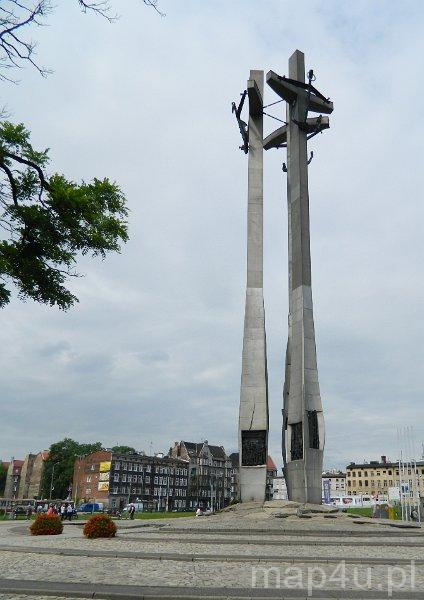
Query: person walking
29, 512
132, 511
63, 512
69, 512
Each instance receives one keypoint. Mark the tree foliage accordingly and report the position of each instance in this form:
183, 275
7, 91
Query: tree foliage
63, 454
49, 221
18, 16
123, 450
3, 475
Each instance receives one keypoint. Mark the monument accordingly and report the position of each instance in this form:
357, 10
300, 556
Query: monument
303, 421
253, 415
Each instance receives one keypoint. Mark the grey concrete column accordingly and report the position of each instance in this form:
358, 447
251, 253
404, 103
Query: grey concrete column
303, 422
253, 415
303, 427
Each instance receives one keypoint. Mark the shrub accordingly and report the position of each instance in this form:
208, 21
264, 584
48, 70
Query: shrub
100, 526
47, 525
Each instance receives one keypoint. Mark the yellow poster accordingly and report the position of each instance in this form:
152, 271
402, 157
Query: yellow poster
104, 476
103, 486
105, 466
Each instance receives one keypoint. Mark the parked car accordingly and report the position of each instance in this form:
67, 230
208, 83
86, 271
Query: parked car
90, 507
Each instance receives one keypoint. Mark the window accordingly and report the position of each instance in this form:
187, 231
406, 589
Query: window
147, 479
87, 491
148, 468
124, 466
124, 477
117, 466
130, 467
88, 478
116, 477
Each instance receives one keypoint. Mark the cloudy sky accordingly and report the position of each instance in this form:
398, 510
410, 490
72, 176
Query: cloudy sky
152, 353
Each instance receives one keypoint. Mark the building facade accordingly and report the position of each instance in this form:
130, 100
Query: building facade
376, 477
210, 474
335, 482
13, 479
158, 482
279, 488
234, 476
271, 474
31, 475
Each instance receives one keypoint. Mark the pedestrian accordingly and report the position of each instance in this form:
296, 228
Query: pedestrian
132, 511
63, 512
51, 511
69, 512
29, 512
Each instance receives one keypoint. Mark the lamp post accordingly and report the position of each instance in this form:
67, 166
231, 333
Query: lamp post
79, 457
52, 481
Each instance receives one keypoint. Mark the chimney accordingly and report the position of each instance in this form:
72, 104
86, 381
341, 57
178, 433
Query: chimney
384, 459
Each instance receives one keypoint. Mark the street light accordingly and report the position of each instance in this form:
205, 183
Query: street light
52, 481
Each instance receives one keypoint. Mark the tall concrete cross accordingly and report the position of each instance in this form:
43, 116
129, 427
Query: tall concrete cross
303, 421
253, 415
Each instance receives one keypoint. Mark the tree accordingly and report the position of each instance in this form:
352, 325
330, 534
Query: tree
17, 16
3, 475
62, 455
123, 450
47, 220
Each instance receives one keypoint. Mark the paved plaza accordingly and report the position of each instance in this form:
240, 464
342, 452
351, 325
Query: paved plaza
253, 551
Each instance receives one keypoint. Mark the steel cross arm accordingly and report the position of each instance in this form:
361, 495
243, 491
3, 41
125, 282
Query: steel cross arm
279, 137
255, 98
290, 90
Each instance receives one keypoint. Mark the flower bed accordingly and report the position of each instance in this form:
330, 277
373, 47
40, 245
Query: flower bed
46, 525
100, 526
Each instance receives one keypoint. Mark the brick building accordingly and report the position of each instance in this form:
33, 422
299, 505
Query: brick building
159, 482
91, 479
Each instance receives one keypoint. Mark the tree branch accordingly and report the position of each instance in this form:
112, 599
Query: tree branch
11, 181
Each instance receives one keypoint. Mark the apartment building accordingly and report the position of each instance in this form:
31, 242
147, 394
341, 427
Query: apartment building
376, 477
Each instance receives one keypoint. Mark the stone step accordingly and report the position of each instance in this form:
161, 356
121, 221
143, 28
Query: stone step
216, 558
34, 589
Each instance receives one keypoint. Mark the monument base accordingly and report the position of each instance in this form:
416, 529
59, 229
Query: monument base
252, 483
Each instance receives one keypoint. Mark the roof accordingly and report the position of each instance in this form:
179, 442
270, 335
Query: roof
379, 465
218, 452
235, 459
330, 474
192, 447
5, 464
17, 463
270, 464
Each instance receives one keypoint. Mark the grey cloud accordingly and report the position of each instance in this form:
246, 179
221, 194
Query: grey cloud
152, 353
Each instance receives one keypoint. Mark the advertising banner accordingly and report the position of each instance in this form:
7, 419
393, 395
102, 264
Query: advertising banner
326, 486
103, 486
105, 466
